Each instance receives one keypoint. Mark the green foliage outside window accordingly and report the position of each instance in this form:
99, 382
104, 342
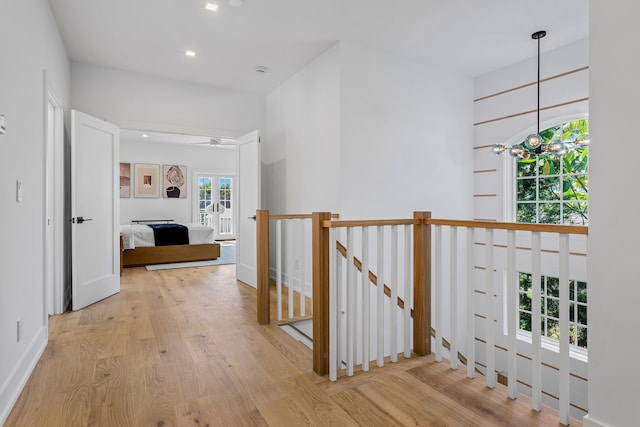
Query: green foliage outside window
550, 308
552, 189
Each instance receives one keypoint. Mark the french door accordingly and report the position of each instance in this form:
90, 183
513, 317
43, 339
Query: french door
216, 190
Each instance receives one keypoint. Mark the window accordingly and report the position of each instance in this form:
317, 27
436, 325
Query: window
550, 308
552, 189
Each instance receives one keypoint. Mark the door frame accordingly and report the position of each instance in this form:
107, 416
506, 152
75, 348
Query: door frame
53, 257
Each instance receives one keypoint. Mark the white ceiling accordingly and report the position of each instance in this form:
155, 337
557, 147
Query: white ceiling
133, 135
150, 36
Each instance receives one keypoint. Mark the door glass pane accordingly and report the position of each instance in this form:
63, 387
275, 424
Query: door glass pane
204, 196
226, 199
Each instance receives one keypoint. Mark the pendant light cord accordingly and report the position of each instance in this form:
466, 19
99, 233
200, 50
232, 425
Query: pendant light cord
538, 130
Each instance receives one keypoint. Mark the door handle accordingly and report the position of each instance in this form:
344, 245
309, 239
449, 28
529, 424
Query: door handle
252, 217
80, 220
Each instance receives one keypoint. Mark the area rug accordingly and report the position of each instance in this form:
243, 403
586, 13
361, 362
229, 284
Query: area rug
227, 256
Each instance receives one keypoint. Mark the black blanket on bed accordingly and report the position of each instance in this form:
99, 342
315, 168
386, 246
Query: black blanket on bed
170, 234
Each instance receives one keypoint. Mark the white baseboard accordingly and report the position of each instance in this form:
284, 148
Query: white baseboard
18, 378
588, 421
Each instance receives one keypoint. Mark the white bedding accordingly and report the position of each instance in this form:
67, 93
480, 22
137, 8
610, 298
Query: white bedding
140, 235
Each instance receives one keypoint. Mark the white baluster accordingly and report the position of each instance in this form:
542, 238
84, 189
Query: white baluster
339, 302
351, 304
408, 290
366, 300
290, 266
438, 292
453, 301
334, 307
564, 401
279, 267
303, 287
489, 286
393, 303
536, 328
471, 322
512, 313
380, 295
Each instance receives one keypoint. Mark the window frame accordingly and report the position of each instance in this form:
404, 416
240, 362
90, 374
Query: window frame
509, 166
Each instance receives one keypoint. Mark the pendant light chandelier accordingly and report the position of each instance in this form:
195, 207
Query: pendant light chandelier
533, 143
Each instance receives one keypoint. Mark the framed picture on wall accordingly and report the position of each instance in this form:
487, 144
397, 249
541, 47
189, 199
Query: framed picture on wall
147, 180
125, 180
174, 182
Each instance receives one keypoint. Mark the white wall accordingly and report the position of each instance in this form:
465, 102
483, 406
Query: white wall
370, 135
30, 43
406, 137
196, 158
614, 294
301, 149
139, 101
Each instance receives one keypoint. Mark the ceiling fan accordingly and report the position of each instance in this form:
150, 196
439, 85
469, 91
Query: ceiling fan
218, 142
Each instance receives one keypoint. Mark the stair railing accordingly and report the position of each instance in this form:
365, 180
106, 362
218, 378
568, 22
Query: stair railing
286, 240
346, 325
531, 233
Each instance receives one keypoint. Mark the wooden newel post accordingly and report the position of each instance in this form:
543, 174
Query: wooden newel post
320, 292
262, 235
422, 285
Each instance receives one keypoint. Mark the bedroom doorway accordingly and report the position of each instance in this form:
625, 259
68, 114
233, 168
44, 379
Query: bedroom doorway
218, 191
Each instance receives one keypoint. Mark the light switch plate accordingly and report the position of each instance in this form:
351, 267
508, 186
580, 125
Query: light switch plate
19, 191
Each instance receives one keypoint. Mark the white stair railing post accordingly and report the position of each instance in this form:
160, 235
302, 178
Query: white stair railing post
453, 298
290, 266
564, 401
536, 329
438, 291
380, 296
408, 291
471, 318
334, 307
279, 267
512, 313
303, 287
351, 304
366, 300
489, 286
393, 303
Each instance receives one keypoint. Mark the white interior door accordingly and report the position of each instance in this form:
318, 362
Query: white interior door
248, 197
95, 209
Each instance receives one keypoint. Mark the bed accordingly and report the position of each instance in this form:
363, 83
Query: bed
138, 242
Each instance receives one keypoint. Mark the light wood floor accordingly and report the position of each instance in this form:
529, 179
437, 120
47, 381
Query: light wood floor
183, 348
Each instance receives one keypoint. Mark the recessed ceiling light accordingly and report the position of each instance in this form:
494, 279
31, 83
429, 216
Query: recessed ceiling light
144, 135
211, 6
190, 53
261, 70
236, 3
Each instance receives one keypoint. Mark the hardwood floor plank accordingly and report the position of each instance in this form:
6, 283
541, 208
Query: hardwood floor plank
182, 348
362, 410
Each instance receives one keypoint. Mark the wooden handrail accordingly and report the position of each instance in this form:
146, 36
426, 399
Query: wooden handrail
368, 223
519, 226
297, 216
